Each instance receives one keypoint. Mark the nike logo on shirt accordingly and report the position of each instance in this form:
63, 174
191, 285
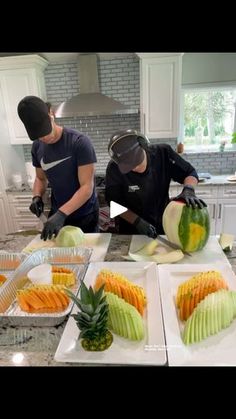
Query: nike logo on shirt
47, 166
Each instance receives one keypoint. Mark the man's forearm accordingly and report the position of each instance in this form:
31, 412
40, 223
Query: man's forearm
39, 187
78, 199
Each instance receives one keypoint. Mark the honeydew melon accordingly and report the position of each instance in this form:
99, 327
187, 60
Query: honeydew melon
124, 319
169, 257
211, 315
226, 241
70, 236
187, 227
149, 248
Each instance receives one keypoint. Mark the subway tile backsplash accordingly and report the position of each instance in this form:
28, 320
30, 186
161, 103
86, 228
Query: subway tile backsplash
119, 79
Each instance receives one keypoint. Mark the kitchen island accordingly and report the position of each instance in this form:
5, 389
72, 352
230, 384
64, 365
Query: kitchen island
36, 346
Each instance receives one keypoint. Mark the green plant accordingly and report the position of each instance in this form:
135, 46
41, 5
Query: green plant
233, 139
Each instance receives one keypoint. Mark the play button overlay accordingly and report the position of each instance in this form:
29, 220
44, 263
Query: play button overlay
116, 209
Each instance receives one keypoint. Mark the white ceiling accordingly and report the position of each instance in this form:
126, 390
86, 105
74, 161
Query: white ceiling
57, 57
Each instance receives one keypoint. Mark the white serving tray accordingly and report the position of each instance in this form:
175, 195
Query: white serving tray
150, 351
216, 350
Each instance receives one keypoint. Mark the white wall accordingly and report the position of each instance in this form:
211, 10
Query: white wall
12, 157
208, 68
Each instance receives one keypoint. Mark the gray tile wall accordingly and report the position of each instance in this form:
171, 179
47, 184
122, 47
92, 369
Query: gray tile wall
214, 162
119, 78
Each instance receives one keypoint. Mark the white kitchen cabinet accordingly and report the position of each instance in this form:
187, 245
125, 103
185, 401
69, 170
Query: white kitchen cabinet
221, 207
22, 218
226, 216
20, 76
160, 84
5, 224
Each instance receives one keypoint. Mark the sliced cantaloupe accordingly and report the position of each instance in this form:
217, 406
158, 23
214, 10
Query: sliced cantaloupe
121, 286
42, 299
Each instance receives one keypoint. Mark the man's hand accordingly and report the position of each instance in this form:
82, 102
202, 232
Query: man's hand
53, 225
143, 227
36, 206
188, 196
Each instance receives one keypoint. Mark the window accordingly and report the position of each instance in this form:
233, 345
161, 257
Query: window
208, 118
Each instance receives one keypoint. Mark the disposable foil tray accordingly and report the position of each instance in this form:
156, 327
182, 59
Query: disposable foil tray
66, 255
9, 262
10, 312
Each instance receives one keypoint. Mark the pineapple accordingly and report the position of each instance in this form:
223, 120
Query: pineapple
92, 318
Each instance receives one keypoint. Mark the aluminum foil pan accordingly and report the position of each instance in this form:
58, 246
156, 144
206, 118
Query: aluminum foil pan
10, 312
66, 255
11, 261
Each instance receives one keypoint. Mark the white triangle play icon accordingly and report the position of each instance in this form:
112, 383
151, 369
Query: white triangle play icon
116, 209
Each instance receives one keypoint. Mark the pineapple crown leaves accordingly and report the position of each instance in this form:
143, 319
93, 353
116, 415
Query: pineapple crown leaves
93, 315
90, 302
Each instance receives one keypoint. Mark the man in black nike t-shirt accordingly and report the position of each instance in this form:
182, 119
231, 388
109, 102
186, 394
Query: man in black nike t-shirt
138, 177
65, 158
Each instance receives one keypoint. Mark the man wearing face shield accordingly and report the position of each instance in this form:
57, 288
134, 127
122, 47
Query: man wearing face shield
138, 177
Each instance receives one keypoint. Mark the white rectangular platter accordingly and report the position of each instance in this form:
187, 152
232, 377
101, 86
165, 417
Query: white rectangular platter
215, 350
211, 253
150, 351
99, 242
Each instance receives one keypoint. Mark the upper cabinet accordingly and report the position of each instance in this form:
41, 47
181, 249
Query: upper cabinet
160, 84
20, 76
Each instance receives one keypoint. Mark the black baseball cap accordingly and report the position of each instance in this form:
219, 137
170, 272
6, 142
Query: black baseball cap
125, 150
33, 112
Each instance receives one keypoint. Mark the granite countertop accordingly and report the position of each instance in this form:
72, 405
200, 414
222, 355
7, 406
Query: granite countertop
36, 346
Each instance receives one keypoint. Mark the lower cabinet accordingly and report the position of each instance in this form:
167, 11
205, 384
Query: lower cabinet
22, 218
222, 215
5, 225
221, 202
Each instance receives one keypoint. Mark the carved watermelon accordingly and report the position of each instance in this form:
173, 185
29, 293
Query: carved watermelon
185, 226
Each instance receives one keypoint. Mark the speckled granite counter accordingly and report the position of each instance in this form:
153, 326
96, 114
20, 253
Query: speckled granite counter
36, 346
214, 180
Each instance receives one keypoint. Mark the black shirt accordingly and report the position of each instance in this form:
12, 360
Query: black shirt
147, 194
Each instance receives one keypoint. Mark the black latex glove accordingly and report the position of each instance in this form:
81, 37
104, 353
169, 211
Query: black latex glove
188, 196
36, 206
53, 225
143, 227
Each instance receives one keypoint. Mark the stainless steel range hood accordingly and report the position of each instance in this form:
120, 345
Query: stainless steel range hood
90, 102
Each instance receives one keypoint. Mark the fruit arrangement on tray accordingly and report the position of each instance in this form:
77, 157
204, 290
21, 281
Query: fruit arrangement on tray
114, 304
206, 304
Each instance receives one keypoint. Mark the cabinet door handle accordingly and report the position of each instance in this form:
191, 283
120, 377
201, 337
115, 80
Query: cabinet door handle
219, 216
214, 211
144, 124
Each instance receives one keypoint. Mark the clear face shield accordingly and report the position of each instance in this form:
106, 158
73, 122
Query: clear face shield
117, 157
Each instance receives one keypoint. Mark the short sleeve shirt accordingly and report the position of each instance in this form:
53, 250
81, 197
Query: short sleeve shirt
60, 162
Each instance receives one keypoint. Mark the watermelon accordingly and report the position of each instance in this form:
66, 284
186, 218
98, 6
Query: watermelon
187, 227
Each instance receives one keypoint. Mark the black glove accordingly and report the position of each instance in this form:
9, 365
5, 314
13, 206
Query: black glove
143, 227
53, 225
189, 197
36, 206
